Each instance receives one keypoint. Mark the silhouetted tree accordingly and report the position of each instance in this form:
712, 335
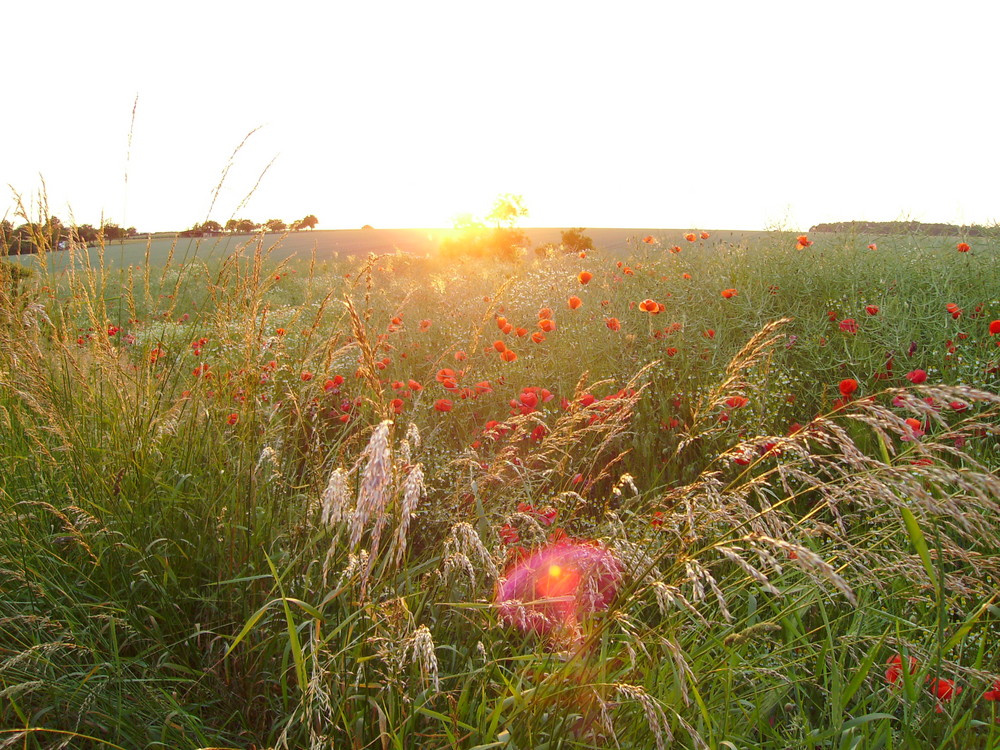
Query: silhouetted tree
275, 225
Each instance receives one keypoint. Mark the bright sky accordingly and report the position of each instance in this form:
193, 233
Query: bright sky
632, 114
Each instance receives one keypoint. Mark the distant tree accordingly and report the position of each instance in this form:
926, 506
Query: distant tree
211, 226
309, 222
85, 234
245, 225
507, 209
276, 225
232, 225
112, 231
367, 227
575, 241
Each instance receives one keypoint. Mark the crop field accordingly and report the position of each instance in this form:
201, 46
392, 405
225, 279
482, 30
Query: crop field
722, 490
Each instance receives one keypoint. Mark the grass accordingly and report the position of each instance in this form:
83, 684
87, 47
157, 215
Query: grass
217, 531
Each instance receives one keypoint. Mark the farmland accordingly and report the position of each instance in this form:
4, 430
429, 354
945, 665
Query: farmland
737, 490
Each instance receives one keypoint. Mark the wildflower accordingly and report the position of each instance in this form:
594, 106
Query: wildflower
460, 355
916, 376
508, 356
847, 387
962, 247
729, 293
547, 325
585, 277
675, 249
279, 331
944, 690
613, 323
538, 337
233, 418
397, 405
649, 239
873, 246
500, 346
709, 333
895, 668
802, 242
872, 309
849, 325
442, 404
705, 235
650, 306
994, 693
995, 328
671, 351
306, 376
736, 402
425, 325
690, 236
574, 302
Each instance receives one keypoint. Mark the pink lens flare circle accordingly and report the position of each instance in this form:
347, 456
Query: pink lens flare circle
557, 586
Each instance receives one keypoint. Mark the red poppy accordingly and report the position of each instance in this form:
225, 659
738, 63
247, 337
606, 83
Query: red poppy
847, 386
233, 418
849, 325
442, 404
944, 690
585, 277
397, 405
873, 246
306, 376
508, 356
547, 325
962, 247
735, 402
613, 323
545, 312
690, 236
500, 346
279, 332
729, 293
916, 376
649, 239
995, 328
650, 306
574, 302
705, 235
675, 249
671, 351
709, 334
425, 325
895, 668
994, 693
460, 355
802, 242
538, 337
872, 309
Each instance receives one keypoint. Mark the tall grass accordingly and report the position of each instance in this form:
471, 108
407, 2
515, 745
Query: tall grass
229, 520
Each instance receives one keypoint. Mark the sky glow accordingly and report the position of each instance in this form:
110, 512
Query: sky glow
644, 114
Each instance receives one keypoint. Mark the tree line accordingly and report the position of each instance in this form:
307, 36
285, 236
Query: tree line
902, 227
53, 234
244, 226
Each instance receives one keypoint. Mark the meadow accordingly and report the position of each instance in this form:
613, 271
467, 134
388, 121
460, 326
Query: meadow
702, 493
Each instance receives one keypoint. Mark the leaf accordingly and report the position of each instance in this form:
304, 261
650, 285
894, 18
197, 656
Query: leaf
920, 545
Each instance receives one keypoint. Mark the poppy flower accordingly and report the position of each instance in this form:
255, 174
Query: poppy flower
995, 328
894, 668
538, 337
501, 323
994, 693
675, 249
613, 323
915, 426
397, 405
545, 312
735, 402
508, 356
872, 309
690, 236
873, 246
944, 690
802, 242
847, 386
460, 355
705, 235
306, 376
709, 333
849, 325
574, 302
585, 277
233, 418
962, 247
650, 306
500, 346
671, 351
442, 405
547, 325
729, 293
414, 385
279, 331
425, 325
916, 376
649, 239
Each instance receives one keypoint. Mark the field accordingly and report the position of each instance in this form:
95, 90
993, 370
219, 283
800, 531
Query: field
738, 491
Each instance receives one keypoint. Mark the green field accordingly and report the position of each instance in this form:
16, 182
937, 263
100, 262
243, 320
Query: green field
279, 499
